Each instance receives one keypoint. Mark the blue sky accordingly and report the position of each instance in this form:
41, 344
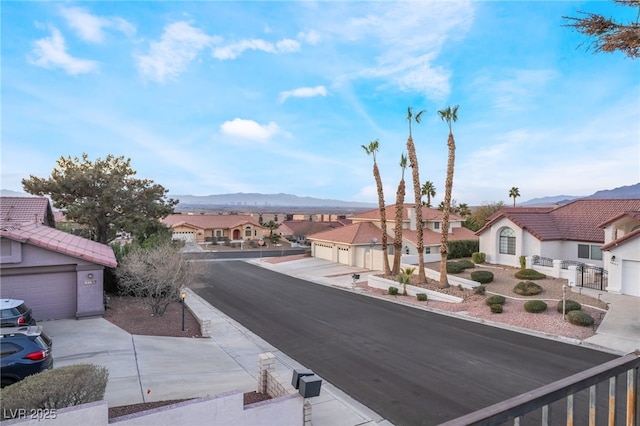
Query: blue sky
278, 97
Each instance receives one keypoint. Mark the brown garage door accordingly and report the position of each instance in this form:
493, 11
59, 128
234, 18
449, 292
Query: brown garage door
50, 296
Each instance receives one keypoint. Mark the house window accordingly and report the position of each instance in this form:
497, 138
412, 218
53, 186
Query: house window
390, 250
507, 241
436, 225
427, 249
587, 251
218, 232
247, 231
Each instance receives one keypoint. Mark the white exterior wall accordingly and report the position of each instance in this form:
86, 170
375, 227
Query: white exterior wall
624, 270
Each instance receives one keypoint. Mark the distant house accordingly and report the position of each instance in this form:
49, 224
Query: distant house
585, 231
200, 228
358, 244
58, 275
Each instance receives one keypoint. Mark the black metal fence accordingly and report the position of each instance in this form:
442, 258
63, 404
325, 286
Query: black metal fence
542, 261
592, 277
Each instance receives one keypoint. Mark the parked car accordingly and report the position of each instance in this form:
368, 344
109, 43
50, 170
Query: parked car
23, 351
14, 312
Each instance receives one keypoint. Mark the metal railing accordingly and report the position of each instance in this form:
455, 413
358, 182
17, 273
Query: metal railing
539, 401
566, 263
542, 261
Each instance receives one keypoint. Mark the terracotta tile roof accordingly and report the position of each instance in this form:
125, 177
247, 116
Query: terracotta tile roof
307, 227
428, 214
633, 235
61, 242
210, 221
579, 220
14, 210
354, 234
430, 237
631, 214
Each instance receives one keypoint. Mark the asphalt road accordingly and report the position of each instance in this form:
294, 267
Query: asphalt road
411, 366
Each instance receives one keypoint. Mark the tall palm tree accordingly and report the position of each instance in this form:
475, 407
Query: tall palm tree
417, 192
463, 210
513, 193
397, 243
372, 149
429, 190
449, 115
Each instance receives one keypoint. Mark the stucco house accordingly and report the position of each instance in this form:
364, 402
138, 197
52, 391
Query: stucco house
58, 275
200, 228
585, 231
358, 244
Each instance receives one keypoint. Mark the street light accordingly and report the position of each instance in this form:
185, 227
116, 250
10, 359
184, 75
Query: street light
183, 296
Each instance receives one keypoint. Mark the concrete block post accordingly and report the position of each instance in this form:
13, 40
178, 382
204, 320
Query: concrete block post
557, 268
573, 275
306, 412
266, 364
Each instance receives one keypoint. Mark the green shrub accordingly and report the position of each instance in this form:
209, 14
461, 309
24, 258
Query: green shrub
527, 288
496, 308
466, 263
454, 268
580, 318
58, 388
530, 274
462, 248
481, 289
495, 299
478, 257
535, 306
570, 305
422, 297
483, 277
393, 291
523, 262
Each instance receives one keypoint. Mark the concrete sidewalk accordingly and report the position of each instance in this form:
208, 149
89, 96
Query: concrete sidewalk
150, 368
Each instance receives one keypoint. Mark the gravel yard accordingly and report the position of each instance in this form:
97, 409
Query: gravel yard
548, 322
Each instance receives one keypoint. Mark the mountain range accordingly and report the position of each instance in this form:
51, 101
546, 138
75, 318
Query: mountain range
622, 192
256, 200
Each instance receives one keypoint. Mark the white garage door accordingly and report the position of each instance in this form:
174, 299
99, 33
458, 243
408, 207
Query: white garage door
630, 278
189, 237
322, 252
50, 296
343, 256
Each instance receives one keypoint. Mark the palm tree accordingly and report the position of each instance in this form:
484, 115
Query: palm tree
372, 149
449, 115
397, 244
429, 190
417, 192
405, 278
463, 210
513, 193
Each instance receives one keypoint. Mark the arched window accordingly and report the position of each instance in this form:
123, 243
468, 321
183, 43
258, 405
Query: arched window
247, 231
507, 241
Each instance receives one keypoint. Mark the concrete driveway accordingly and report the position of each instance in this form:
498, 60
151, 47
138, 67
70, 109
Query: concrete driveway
149, 368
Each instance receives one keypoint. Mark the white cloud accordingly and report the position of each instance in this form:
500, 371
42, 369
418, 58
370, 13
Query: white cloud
407, 39
517, 91
303, 92
178, 46
249, 129
311, 37
51, 52
90, 27
234, 50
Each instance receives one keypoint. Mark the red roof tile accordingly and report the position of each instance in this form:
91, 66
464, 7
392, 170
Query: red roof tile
430, 237
15, 210
631, 214
428, 214
579, 220
357, 233
61, 242
210, 221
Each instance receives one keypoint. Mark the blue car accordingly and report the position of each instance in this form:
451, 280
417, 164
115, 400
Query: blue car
23, 351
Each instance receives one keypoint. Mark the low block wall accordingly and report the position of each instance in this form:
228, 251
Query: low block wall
286, 407
384, 284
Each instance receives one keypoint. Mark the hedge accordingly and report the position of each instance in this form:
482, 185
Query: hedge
530, 274
535, 306
527, 288
462, 248
570, 305
483, 277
